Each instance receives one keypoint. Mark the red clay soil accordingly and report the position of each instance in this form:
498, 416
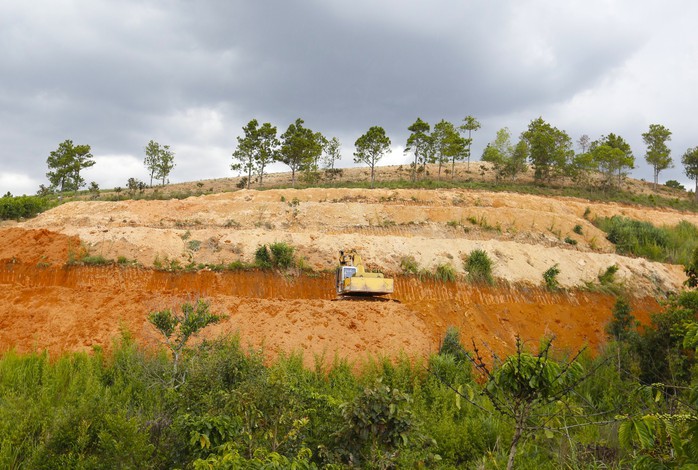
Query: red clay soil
36, 246
76, 308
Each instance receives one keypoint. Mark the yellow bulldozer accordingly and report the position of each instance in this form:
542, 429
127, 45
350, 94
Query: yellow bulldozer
353, 280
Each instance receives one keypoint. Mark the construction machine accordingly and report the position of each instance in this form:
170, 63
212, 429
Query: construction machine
353, 280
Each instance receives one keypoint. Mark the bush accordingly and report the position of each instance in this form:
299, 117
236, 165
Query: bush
445, 273
608, 276
278, 255
451, 345
409, 265
550, 277
478, 265
21, 207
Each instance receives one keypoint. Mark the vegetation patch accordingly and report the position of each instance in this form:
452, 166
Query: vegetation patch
665, 244
478, 266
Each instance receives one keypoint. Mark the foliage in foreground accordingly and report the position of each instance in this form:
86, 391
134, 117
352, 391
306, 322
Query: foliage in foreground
637, 405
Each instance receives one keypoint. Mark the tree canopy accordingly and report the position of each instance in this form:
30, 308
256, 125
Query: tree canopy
65, 164
371, 147
690, 165
658, 153
159, 160
550, 149
418, 143
300, 147
255, 150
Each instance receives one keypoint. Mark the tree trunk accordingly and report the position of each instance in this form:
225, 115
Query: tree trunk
453, 167
696, 191
373, 167
512, 449
293, 177
249, 176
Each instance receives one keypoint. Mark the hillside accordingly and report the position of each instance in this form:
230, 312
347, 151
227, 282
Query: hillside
46, 304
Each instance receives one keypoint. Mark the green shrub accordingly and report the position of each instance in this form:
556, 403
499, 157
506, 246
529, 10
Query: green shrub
278, 255
445, 273
478, 265
578, 229
570, 241
21, 207
608, 276
451, 345
409, 265
550, 277
194, 245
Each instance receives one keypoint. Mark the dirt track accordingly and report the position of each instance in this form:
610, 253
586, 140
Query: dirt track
48, 305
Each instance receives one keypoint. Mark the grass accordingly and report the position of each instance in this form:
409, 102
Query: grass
478, 266
665, 244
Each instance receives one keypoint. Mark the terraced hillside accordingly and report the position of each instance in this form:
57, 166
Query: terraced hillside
46, 303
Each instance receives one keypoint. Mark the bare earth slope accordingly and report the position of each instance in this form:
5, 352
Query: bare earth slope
44, 304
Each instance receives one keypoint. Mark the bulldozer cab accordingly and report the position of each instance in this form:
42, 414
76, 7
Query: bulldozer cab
344, 272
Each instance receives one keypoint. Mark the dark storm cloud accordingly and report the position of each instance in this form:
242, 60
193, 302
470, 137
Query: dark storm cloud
116, 74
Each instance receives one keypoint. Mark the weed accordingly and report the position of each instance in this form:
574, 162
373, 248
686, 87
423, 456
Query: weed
409, 265
570, 241
587, 212
478, 265
186, 235
608, 276
550, 277
231, 223
95, 260
578, 229
445, 273
194, 245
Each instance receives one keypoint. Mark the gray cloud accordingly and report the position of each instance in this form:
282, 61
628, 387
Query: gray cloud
190, 74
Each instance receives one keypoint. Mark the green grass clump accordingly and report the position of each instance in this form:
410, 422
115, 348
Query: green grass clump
445, 273
666, 244
478, 265
95, 260
409, 265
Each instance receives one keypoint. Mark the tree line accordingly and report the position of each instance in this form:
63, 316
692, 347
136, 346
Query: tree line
605, 161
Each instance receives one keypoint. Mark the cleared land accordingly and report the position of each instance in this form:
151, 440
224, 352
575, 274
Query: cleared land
46, 304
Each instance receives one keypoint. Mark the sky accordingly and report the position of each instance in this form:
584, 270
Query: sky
188, 74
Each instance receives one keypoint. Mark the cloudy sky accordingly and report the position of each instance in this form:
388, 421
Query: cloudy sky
191, 73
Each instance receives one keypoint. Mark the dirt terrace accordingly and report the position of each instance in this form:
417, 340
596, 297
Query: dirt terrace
45, 304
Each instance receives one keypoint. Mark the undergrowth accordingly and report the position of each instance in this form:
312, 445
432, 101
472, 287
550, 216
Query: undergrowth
665, 244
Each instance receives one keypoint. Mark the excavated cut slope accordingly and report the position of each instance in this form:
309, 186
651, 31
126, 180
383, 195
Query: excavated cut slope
46, 304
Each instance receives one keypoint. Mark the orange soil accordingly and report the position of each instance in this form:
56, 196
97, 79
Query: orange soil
77, 308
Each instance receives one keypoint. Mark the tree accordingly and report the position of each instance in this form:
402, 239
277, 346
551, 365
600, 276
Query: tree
508, 160
65, 165
612, 156
255, 150
550, 149
300, 147
499, 151
658, 154
166, 163
448, 144
690, 165
371, 147
152, 158
332, 153
418, 143
523, 387
470, 124
159, 160
584, 142
178, 328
